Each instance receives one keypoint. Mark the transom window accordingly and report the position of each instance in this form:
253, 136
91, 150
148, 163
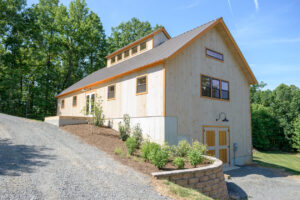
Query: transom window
119, 56
74, 101
214, 88
143, 46
134, 50
126, 53
214, 54
62, 103
141, 84
112, 60
111, 92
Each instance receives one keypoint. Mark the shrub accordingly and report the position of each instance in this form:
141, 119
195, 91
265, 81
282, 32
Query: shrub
146, 148
159, 157
179, 162
195, 153
137, 134
124, 129
131, 145
170, 149
199, 146
183, 148
118, 151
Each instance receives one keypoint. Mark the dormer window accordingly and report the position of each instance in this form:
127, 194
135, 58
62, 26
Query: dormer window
112, 60
134, 50
143, 46
119, 57
126, 54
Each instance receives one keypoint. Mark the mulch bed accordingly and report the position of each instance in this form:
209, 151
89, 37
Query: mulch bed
107, 140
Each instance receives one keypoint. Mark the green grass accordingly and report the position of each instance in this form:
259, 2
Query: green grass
185, 193
288, 161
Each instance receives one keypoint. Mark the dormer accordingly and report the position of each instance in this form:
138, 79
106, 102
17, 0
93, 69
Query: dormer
139, 46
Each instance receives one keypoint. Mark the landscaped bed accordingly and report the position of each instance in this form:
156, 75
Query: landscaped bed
109, 141
183, 164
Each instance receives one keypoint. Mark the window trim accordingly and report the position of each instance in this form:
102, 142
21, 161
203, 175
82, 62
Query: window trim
62, 104
138, 77
114, 92
73, 101
214, 57
211, 97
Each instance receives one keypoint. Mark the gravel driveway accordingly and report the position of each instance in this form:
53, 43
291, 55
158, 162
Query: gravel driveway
40, 161
260, 183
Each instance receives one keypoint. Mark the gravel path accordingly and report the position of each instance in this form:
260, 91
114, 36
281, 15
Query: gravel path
260, 183
40, 161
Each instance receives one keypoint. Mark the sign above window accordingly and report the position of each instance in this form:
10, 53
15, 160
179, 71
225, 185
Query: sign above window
214, 54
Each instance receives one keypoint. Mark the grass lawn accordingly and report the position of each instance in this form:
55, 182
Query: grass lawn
177, 192
288, 161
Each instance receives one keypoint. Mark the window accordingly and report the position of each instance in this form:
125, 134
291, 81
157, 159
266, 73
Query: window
143, 46
112, 60
205, 86
134, 50
126, 54
62, 104
214, 88
141, 84
214, 54
74, 101
92, 103
119, 57
111, 92
225, 90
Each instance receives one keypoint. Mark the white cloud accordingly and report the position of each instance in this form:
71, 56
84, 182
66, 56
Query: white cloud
256, 5
229, 4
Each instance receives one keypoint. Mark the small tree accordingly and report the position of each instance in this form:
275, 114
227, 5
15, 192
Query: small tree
137, 133
97, 116
124, 129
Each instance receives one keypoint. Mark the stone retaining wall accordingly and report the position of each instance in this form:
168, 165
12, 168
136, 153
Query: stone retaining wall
209, 180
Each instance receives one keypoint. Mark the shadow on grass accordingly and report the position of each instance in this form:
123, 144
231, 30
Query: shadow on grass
16, 159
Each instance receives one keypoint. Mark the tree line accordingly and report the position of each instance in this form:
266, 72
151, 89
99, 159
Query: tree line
275, 117
46, 47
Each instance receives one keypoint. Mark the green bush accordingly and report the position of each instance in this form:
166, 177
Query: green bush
146, 148
170, 149
131, 145
124, 130
159, 157
183, 148
137, 134
195, 153
179, 162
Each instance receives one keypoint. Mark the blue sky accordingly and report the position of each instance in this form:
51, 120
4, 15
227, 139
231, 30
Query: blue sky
267, 31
